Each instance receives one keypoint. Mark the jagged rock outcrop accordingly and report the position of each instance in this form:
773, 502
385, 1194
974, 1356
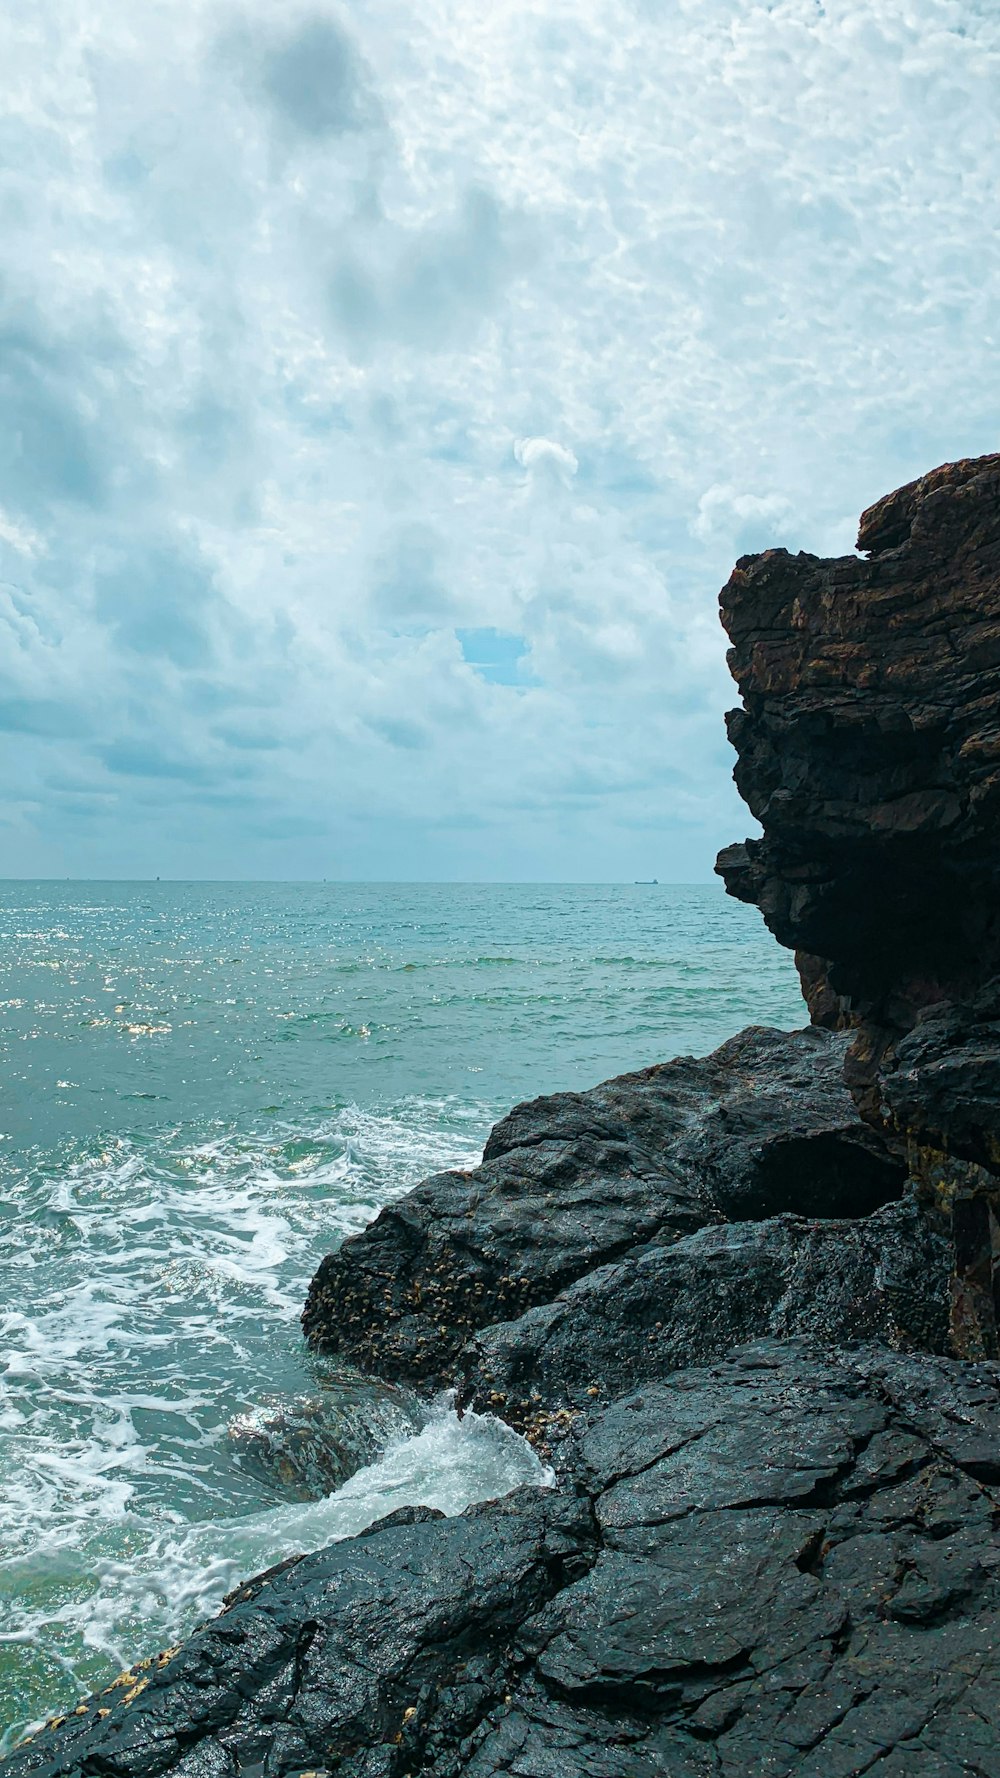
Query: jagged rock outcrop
714, 1292
572, 1182
869, 750
880, 1277
869, 746
782, 1565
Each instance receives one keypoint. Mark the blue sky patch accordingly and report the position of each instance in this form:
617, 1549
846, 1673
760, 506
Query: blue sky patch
495, 655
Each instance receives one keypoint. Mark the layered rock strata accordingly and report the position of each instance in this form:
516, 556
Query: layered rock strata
869, 751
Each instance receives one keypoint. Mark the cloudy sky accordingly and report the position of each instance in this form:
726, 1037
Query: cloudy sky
386, 390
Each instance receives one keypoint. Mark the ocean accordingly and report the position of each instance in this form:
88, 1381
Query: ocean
204, 1088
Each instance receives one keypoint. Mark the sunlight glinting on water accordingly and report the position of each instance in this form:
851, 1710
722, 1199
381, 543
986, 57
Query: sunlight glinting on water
205, 1089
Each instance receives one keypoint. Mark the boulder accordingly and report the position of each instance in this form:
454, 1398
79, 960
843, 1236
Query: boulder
574, 1181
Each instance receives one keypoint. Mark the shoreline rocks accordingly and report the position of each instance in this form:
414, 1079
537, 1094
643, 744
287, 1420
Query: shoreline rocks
782, 1564
573, 1182
748, 1303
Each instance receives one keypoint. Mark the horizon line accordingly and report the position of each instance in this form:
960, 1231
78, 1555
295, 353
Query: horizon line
408, 882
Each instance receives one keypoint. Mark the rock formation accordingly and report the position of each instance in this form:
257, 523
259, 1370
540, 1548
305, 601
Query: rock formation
729, 1298
781, 1564
575, 1181
869, 751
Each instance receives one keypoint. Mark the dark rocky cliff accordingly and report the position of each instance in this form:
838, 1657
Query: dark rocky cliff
869, 751
736, 1301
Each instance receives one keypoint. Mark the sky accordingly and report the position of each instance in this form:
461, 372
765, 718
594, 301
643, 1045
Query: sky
387, 389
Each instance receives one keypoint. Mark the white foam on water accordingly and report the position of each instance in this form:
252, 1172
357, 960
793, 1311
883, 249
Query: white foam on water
155, 1288
115, 1608
183, 1578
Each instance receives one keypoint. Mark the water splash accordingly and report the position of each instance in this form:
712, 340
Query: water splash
158, 1283
129, 1590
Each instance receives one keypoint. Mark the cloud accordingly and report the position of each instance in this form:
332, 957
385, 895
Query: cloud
20, 536
141, 759
744, 522
387, 391
548, 463
39, 716
49, 446
315, 80
158, 600
249, 740
429, 286
407, 583
401, 733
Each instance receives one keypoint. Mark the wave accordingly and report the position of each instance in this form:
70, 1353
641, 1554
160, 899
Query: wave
155, 1284
81, 1614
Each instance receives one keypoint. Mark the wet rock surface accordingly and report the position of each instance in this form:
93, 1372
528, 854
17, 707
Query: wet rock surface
572, 1182
780, 1564
884, 1277
727, 1295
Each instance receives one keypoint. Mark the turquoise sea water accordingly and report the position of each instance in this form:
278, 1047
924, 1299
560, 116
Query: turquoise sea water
204, 1087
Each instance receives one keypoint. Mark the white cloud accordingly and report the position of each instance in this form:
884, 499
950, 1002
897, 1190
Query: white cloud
280, 287
761, 519
550, 463
20, 536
